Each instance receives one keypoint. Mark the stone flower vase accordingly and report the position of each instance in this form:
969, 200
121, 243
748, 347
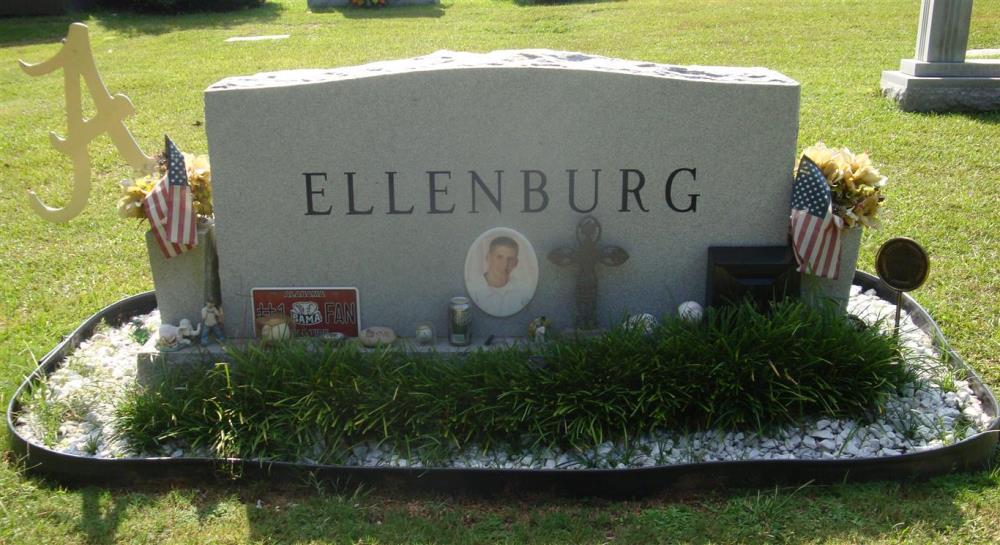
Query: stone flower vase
816, 289
185, 282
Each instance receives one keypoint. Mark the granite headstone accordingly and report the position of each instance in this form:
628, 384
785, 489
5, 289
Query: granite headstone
381, 176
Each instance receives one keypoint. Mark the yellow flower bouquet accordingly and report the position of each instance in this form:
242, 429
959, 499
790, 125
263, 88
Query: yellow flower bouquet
199, 177
855, 184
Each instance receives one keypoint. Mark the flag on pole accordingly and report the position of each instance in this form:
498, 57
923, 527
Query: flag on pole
170, 207
815, 228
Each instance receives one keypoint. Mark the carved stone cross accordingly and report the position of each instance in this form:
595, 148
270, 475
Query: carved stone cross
586, 256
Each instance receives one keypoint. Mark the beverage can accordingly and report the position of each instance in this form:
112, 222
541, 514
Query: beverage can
459, 321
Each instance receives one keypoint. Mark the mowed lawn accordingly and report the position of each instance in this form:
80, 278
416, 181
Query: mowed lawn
944, 173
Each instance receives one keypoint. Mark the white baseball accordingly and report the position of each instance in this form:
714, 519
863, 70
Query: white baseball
646, 321
276, 332
691, 311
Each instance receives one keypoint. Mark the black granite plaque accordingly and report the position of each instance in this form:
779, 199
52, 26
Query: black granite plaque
764, 273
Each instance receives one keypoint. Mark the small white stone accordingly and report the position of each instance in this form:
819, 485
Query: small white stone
822, 434
376, 335
108, 365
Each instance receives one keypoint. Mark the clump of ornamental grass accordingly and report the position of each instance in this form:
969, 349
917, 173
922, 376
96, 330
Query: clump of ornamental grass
738, 369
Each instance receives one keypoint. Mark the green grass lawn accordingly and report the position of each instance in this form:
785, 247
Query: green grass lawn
944, 173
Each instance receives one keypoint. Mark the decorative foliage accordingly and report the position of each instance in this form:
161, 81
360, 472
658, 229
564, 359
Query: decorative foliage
856, 185
740, 369
199, 173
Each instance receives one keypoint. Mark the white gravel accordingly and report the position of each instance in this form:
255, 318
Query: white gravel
937, 410
80, 397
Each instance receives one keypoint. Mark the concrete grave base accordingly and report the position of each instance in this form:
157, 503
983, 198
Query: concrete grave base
937, 94
153, 363
975, 68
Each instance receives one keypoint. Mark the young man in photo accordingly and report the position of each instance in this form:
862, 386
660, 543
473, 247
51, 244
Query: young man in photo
497, 291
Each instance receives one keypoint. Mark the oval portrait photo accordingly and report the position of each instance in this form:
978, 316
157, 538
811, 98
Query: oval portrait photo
501, 272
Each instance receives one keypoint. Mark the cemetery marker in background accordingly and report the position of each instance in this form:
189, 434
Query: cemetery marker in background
380, 177
940, 78
257, 38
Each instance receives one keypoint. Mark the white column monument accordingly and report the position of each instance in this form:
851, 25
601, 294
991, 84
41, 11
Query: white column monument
940, 78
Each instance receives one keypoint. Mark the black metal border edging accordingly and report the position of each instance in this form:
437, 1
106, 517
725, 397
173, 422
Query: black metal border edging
972, 453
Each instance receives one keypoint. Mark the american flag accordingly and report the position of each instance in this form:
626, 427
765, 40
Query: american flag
170, 207
815, 228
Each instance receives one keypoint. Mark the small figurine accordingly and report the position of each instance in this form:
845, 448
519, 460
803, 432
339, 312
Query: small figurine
538, 327
185, 333
168, 338
211, 319
174, 337
690, 311
646, 322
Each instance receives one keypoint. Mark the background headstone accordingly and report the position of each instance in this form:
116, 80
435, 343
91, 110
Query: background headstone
943, 32
291, 149
940, 78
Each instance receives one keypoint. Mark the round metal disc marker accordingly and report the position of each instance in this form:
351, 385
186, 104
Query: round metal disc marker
903, 265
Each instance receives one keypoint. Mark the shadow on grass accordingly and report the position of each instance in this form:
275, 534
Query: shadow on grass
543, 3
988, 118
99, 523
37, 30
312, 511
136, 24
394, 12
865, 512
102, 511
